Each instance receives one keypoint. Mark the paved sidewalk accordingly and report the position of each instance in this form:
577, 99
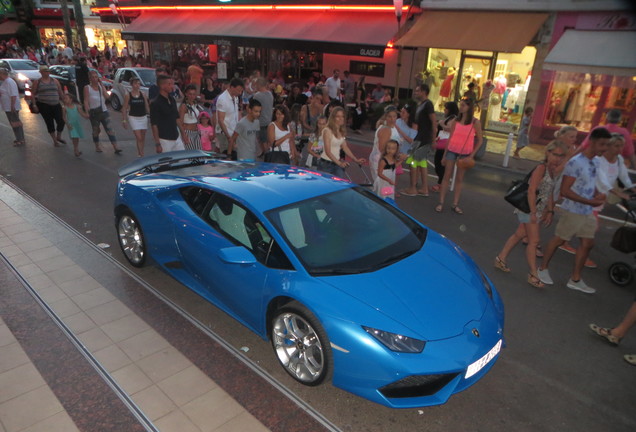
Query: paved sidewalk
136, 364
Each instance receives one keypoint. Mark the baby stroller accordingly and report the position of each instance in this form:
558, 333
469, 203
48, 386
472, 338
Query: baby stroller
622, 273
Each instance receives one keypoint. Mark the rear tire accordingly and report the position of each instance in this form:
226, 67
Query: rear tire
131, 239
621, 273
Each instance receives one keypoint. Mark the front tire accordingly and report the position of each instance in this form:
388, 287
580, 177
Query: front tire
621, 273
131, 239
301, 344
115, 103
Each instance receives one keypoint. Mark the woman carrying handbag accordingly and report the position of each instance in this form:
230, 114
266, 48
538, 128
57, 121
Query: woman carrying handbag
540, 200
281, 138
463, 143
95, 105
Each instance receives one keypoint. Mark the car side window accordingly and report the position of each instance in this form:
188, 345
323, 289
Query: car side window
4, 64
243, 228
125, 78
197, 198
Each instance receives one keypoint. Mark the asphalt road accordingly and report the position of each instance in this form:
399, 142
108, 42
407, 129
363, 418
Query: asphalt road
553, 374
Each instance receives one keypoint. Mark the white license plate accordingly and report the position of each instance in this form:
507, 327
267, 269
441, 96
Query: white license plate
479, 364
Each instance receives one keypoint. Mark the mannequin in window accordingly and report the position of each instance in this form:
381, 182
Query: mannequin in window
447, 86
487, 91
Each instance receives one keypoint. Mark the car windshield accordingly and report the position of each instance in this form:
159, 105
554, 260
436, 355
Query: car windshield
148, 76
347, 232
24, 65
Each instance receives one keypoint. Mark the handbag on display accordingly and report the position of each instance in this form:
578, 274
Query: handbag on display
517, 194
277, 156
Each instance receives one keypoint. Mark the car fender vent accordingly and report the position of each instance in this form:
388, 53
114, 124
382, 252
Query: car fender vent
417, 386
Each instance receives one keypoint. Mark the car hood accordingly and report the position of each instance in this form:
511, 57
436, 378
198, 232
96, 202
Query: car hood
434, 292
30, 74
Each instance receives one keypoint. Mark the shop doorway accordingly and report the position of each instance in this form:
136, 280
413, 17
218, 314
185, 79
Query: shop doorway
475, 69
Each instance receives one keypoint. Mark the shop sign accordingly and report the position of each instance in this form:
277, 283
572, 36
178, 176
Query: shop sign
370, 52
504, 127
616, 21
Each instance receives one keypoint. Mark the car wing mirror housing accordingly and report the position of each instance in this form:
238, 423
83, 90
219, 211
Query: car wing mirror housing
237, 255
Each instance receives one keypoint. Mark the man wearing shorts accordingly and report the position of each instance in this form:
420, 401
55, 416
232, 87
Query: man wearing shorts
578, 188
423, 143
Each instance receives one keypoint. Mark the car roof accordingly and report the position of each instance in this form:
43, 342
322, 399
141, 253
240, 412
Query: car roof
135, 68
263, 185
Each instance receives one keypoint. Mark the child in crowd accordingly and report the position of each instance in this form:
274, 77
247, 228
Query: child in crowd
206, 130
316, 142
72, 112
384, 185
523, 140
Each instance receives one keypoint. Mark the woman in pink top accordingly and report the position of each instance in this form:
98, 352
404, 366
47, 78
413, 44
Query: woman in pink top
464, 142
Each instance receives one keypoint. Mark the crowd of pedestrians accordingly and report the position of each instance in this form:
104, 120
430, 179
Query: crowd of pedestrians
250, 118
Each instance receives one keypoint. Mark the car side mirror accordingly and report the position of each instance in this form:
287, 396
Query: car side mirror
236, 255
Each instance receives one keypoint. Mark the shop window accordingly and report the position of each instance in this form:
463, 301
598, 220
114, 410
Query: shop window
573, 100
504, 97
581, 99
441, 75
366, 68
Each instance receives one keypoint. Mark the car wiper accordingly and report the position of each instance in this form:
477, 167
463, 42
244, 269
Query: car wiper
396, 258
336, 271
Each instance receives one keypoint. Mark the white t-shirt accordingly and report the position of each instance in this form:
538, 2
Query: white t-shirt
333, 86
9, 88
228, 105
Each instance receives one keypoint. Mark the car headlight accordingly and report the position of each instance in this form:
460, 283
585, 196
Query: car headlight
396, 342
486, 284
22, 77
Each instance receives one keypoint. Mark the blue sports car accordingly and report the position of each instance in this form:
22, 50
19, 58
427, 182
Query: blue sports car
346, 286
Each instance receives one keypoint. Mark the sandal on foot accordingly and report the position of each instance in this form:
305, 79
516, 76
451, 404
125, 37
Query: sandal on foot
455, 208
535, 281
99, 150
605, 333
117, 151
501, 265
78, 154
405, 193
630, 358
60, 140
439, 207
422, 193
435, 188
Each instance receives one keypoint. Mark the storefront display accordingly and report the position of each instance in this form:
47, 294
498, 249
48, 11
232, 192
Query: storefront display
582, 99
500, 91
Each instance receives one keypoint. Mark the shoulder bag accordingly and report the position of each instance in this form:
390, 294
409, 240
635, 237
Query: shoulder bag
277, 156
517, 194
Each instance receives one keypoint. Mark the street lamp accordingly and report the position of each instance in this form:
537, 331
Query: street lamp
398, 4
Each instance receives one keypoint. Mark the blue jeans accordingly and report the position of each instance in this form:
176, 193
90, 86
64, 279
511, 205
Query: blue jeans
330, 168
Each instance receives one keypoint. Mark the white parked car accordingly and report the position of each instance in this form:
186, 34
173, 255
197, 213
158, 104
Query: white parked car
22, 71
121, 83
